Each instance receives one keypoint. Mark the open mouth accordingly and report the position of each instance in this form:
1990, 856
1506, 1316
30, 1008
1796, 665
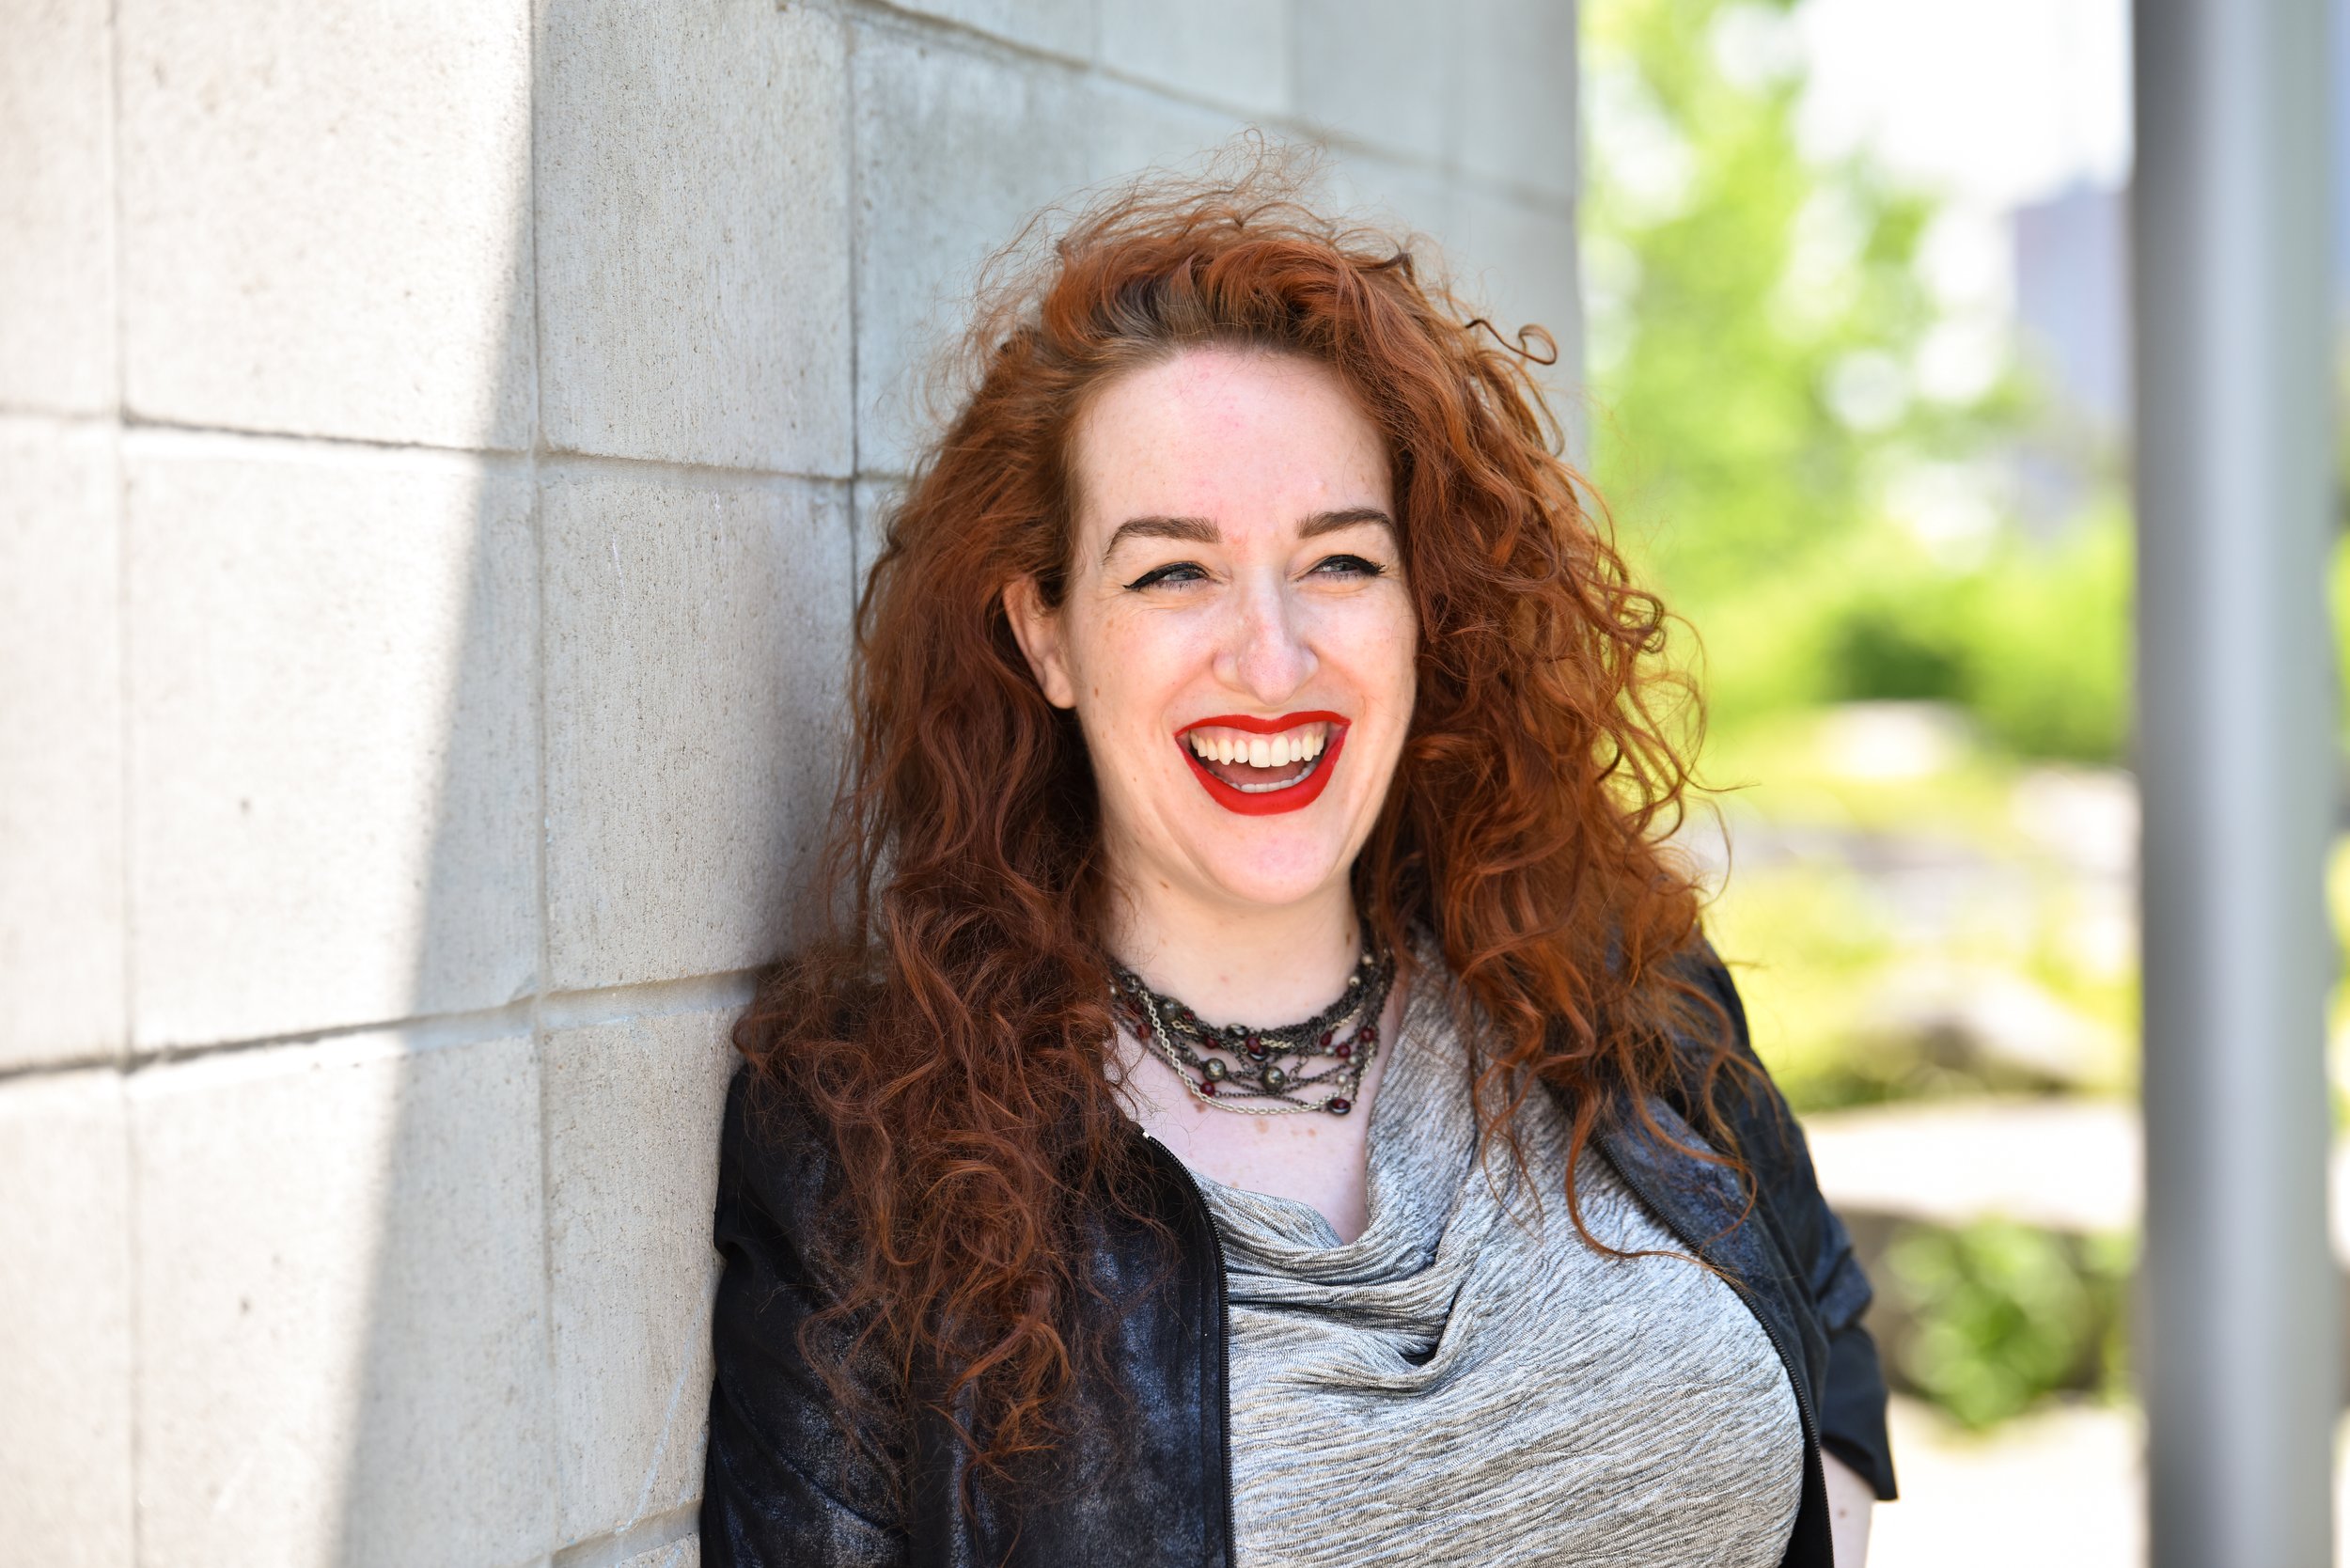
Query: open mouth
1258, 766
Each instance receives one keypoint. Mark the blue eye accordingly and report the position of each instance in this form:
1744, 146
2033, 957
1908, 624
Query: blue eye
1176, 571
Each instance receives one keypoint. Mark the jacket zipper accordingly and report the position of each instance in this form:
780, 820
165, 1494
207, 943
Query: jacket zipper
1812, 1467
1224, 1348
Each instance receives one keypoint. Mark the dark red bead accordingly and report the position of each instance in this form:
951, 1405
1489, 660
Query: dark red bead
1325, 1038
1337, 1105
1207, 1086
1342, 1051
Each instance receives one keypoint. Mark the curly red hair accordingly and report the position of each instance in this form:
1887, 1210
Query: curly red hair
953, 1031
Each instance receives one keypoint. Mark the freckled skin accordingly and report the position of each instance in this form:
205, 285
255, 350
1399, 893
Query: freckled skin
1245, 918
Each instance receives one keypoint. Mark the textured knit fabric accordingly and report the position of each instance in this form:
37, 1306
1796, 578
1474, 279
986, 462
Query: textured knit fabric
1467, 1383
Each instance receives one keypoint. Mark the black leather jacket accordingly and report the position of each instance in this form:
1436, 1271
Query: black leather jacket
784, 1485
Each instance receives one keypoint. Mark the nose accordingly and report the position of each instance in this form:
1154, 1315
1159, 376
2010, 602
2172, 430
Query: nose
1264, 653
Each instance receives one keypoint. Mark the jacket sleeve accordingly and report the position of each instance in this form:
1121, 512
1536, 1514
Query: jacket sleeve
784, 1482
1851, 1389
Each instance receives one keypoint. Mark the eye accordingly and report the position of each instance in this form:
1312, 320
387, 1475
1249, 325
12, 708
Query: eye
1348, 566
1174, 572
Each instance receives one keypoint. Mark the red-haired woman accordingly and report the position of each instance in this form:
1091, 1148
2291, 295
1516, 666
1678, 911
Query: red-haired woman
1267, 1100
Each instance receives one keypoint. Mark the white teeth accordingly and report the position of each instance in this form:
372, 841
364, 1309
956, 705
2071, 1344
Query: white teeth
1304, 743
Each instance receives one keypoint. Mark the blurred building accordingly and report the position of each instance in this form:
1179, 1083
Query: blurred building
2072, 321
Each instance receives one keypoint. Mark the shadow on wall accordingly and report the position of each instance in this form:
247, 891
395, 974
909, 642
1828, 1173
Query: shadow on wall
638, 750
449, 1429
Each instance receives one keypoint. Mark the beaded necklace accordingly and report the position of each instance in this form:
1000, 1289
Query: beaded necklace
1266, 1072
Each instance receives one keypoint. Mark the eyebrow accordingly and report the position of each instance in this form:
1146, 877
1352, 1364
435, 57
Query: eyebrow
1199, 530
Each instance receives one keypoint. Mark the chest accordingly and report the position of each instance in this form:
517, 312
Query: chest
1557, 1404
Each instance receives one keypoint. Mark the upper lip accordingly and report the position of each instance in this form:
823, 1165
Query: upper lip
1255, 725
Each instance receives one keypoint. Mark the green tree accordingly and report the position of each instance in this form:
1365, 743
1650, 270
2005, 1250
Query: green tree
1766, 429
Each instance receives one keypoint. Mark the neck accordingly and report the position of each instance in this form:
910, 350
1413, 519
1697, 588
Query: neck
1253, 964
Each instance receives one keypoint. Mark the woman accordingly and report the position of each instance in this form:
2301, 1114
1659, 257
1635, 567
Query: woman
1267, 1100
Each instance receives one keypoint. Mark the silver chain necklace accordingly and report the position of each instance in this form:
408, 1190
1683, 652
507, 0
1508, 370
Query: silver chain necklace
1266, 1072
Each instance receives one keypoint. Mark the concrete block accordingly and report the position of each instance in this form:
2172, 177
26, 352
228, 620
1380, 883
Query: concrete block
693, 219
341, 1327
1234, 53
696, 637
1378, 72
1404, 201
1518, 263
325, 222
686, 1553
632, 1110
1021, 139
65, 1319
56, 208
1515, 105
332, 750
1142, 129
61, 920
1064, 27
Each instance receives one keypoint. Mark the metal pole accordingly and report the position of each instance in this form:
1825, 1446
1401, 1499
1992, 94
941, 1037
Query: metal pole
2236, 740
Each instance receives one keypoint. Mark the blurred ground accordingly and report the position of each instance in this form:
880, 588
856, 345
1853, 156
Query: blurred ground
2060, 1488
1937, 945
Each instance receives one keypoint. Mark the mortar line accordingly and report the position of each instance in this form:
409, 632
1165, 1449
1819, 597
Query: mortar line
584, 1007
118, 483
951, 31
119, 489
298, 448
541, 825
617, 1546
856, 380
701, 472
121, 245
136, 424
72, 419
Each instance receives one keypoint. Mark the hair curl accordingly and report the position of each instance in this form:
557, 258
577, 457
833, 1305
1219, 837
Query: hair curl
952, 1031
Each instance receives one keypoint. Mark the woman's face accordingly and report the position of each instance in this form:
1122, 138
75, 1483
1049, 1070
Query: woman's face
1236, 638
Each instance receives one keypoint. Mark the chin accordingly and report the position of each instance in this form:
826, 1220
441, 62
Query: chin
1272, 868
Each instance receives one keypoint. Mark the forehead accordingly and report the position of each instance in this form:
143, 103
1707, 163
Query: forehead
1247, 438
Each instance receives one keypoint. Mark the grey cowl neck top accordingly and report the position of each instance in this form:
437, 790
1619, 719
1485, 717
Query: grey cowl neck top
1468, 1384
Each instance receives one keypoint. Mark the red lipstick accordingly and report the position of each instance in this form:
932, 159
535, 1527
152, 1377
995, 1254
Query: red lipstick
1270, 802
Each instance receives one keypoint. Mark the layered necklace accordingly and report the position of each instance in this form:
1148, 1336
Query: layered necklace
1314, 1066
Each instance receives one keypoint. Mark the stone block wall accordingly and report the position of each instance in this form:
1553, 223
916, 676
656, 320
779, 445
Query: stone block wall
435, 443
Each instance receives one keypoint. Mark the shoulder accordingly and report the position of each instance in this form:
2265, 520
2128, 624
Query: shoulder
778, 1150
777, 1169
1720, 1079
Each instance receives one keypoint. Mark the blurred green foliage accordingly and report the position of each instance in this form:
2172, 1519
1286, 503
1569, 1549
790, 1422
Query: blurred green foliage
1773, 458
2031, 640
1834, 518
1996, 1316
1824, 964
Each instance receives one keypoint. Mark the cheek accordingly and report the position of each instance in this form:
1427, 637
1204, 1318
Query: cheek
1128, 667
1380, 636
